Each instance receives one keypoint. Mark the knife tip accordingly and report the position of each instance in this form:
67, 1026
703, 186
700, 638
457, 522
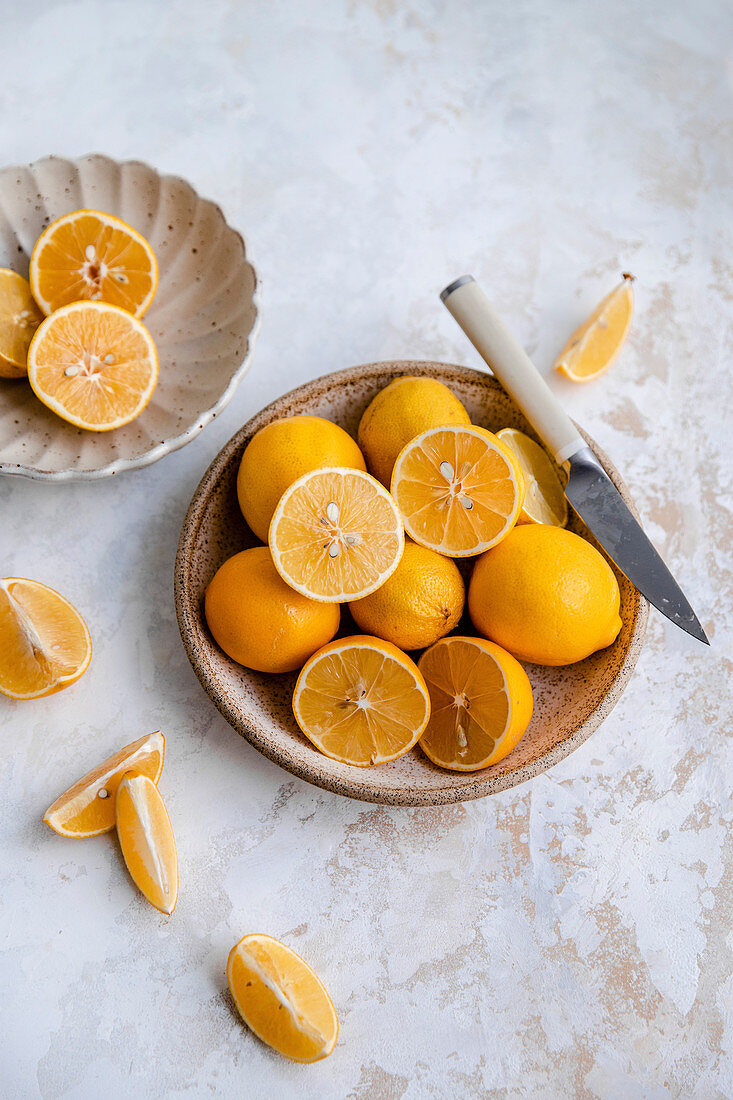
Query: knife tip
696, 631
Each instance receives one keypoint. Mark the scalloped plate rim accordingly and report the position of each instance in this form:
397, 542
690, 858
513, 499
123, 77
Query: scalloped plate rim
122, 465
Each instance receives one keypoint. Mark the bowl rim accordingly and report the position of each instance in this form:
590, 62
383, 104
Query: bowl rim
166, 446
188, 620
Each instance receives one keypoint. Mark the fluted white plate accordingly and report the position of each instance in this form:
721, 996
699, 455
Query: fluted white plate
204, 316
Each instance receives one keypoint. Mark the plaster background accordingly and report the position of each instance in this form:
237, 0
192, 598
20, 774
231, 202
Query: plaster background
565, 938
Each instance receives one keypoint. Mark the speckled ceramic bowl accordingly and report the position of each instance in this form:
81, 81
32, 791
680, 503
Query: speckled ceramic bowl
203, 318
569, 702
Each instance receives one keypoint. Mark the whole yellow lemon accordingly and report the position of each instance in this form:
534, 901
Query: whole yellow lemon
420, 603
260, 621
546, 595
282, 452
398, 413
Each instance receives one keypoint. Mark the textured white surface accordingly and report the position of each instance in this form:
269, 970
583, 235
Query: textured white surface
567, 938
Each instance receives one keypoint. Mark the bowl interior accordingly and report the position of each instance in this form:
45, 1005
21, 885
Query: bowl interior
202, 318
569, 702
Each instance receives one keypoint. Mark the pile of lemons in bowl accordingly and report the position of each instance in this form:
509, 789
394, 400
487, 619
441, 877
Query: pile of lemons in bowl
379, 524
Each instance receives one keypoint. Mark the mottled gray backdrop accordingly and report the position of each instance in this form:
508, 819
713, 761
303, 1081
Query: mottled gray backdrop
567, 938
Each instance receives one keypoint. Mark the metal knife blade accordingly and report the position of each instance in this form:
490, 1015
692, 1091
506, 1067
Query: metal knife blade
590, 491
602, 508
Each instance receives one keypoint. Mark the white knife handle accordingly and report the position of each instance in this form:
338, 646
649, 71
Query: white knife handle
512, 366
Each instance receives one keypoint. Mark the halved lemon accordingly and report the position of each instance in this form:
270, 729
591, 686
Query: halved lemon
88, 807
544, 496
92, 256
594, 346
361, 700
44, 642
481, 702
336, 535
459, 490
19, 319
146, 838
94, 365
281, 999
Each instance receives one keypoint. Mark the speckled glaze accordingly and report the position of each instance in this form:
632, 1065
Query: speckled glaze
204, 316
569, 703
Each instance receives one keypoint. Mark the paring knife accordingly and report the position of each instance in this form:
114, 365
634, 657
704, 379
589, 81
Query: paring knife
590, 490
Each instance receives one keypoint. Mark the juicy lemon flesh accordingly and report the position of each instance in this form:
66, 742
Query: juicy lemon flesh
88, 807
469, 706
279, 454
281, 999
147, 841
44, 642
481, 703
19, 319
94, 365
360, 702
544, 496
92, 256
595, 345
336, 535
457, 491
